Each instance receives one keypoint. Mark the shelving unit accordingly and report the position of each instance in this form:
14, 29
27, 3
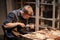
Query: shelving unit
45, 12
53, 19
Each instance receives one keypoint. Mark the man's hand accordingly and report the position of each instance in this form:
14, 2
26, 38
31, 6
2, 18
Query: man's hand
21, 24
27, 25
30, 25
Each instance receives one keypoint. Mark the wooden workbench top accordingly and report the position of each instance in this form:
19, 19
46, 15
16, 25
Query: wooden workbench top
43, 35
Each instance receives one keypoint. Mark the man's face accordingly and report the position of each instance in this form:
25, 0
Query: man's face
26, 16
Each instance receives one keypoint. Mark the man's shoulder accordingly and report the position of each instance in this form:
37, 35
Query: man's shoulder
15, 11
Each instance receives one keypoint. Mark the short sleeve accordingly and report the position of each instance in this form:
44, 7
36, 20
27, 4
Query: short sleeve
10, 17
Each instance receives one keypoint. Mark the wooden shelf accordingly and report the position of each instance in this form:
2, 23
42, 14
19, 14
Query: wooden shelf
46, 3
30, 2
40, 3
51, 19
35, 3
46, 18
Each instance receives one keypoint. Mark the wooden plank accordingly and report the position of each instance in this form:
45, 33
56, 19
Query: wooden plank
46, 19
46, 3
58, 18
9, 5
37, 16
42, 21
30, 2
53, 22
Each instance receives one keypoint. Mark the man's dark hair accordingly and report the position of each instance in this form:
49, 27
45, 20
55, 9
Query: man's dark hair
28, 10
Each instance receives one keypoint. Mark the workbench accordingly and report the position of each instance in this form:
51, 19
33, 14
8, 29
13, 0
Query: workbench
42, 35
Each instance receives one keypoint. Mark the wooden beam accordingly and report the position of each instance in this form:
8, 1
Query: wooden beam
37, 16
42, 21
59, 17
9, 5
53, 22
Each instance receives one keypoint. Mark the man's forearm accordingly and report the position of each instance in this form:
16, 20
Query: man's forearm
10, 25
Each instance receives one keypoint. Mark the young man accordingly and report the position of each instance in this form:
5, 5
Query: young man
16, 21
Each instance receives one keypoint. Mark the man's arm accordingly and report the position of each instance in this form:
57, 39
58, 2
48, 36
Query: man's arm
8, 23
11, 25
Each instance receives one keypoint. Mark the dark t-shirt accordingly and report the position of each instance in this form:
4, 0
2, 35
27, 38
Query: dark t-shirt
11, 18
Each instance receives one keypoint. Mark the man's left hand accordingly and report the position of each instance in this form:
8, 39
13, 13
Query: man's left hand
30, 25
